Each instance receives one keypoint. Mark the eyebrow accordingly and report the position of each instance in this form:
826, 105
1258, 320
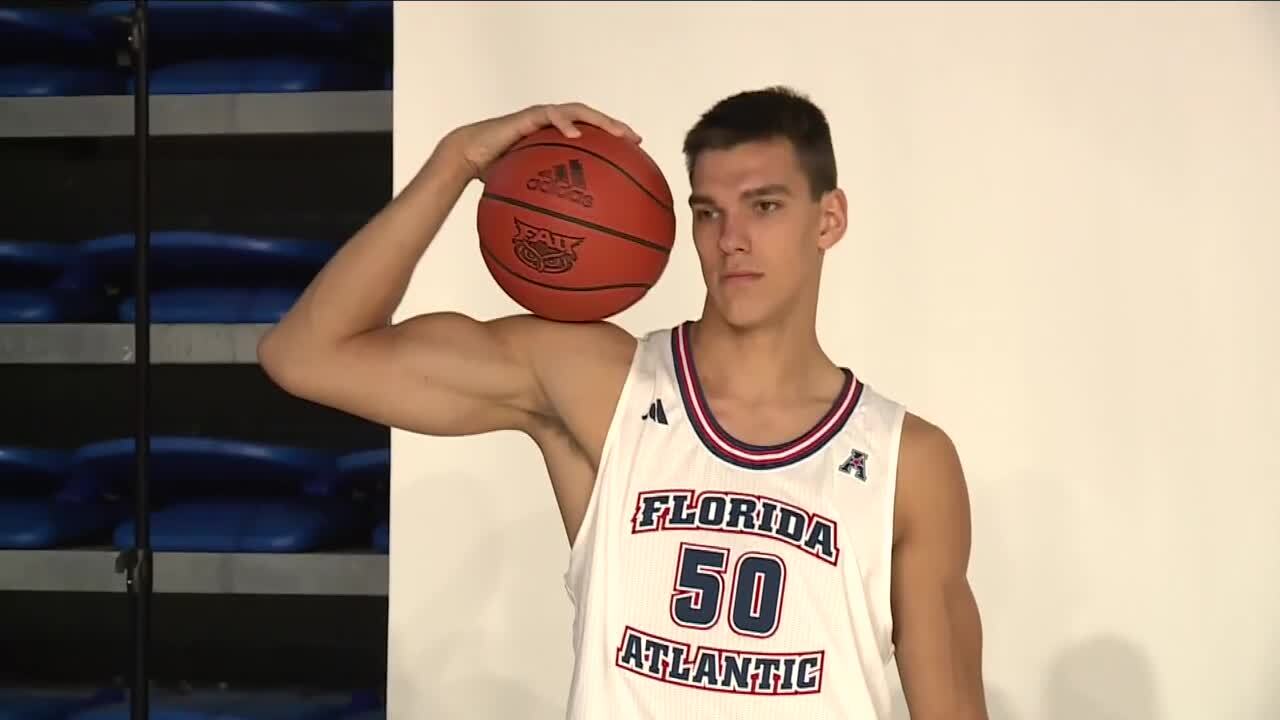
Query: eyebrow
763, 190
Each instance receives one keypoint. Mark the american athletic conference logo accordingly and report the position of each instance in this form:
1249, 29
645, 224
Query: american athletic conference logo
543, 250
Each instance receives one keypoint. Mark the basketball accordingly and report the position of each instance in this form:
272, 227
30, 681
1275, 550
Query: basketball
575, 229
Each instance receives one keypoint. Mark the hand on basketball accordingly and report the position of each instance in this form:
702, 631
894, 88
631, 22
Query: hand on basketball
483, 142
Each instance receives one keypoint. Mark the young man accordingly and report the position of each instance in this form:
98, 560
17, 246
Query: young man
746, 518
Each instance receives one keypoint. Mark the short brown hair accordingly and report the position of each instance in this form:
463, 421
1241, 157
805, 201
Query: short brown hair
774, 112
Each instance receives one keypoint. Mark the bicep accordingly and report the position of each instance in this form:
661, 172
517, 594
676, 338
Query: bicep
937, 628
436, 374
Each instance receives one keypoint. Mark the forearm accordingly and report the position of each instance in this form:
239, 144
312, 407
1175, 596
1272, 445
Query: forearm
940, 659
361, 286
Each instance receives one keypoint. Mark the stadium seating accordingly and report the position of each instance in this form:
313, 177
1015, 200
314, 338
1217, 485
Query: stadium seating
207, 277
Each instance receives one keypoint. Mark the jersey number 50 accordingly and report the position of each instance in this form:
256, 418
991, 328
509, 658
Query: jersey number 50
755, 590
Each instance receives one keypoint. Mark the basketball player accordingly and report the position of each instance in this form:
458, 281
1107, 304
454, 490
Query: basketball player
755, 533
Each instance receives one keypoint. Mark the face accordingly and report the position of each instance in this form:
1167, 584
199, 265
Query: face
759, 233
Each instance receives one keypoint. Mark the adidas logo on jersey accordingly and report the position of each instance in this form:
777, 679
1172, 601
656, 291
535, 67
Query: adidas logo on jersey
656, 413
566, 181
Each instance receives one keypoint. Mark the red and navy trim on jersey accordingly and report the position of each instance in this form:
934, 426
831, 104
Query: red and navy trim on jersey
755, 457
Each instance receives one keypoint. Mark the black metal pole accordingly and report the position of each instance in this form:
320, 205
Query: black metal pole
140, 576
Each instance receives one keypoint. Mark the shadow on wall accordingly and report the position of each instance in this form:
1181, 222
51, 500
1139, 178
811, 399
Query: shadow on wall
1106, 678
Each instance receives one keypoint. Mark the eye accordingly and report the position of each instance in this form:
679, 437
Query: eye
765, 207
703, 214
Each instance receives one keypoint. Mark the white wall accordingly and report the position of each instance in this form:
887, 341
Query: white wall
1065, 234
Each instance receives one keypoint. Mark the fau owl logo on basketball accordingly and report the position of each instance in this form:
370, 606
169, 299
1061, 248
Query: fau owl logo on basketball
743, 590
543, 250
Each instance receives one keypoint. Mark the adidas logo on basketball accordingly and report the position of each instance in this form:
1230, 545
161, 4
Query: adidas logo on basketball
564, 181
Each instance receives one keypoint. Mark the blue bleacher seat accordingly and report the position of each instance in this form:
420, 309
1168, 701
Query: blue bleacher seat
49, 33
51, 79
243, 20
227, 705
260, 75
36, 513
219, 495
243, 526
371, 24
40, 704
42, 282
379, 713
214, 305
367, 473
371, 18
367, 470
182, 30
202, 277
48, 52
227, 46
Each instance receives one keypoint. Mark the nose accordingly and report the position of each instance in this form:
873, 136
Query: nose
734, 239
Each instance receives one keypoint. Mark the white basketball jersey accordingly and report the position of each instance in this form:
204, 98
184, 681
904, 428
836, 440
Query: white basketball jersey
716, 579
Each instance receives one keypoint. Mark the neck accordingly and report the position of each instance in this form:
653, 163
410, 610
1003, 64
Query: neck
758, 363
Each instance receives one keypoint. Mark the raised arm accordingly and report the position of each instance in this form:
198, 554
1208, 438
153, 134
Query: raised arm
442, 373
937, 628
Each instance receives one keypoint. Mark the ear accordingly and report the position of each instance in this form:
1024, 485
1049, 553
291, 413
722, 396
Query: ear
835, 218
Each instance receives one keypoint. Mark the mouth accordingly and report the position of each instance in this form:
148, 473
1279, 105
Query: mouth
740, 276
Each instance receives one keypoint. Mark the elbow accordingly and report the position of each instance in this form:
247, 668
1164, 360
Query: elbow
300, 366
279, 358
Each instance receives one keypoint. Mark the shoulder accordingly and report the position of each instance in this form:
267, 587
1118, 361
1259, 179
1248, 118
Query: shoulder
931, 486
553, 337
926, 444
552, 349
596, 349
580, 369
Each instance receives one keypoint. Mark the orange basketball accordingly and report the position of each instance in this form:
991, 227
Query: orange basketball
575, 229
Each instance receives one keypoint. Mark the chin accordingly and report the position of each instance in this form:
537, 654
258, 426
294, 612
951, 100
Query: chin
742, 316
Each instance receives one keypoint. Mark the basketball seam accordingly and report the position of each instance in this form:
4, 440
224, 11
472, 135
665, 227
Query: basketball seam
577, 221
602, 158
621, 286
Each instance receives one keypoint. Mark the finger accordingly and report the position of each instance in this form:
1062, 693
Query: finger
619, 128
631, 135
622, 130
604, 122
563, 122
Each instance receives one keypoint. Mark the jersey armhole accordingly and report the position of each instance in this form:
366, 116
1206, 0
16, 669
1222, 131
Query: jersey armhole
895, 452
606, 451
